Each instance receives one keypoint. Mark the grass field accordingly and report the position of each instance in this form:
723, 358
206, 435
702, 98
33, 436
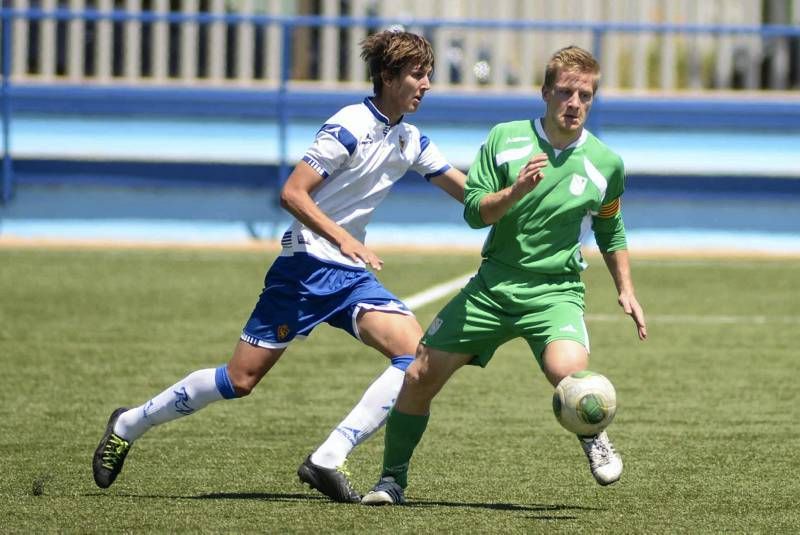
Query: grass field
707, 423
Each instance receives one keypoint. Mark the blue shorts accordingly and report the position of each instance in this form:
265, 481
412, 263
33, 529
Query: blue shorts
300, 292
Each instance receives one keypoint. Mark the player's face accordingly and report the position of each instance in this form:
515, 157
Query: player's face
408, 88
569, 101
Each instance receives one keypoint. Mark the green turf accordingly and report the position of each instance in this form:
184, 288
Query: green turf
707, 419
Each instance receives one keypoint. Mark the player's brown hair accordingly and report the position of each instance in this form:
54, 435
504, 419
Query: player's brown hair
571, 58
390, 51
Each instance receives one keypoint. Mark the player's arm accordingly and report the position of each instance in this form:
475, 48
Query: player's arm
487, 196
609, 233
452, 182
618, 264
296, 199
493, 206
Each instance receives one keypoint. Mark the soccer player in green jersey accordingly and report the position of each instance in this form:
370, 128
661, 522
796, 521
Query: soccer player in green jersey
540, 184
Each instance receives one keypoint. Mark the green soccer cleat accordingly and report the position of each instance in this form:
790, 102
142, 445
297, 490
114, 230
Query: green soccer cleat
332, 482
110, 453
386, 492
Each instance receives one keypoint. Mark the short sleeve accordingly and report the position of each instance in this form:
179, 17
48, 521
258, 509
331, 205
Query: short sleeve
332, 147
482, 179
430, 162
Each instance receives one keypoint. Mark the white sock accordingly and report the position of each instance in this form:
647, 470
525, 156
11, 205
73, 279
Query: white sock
366, 417
185, 397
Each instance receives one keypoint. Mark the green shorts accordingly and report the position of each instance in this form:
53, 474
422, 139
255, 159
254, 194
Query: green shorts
479, 320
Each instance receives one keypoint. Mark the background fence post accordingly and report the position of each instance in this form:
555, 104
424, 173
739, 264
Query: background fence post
8, 168
593, 123
287, 28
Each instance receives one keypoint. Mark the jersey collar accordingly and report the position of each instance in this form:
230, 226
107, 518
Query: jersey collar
376, 112
577, 143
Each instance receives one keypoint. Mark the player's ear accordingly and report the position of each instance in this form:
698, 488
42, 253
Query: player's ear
386, 77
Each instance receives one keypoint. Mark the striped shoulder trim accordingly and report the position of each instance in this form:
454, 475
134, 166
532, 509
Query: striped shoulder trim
315, 165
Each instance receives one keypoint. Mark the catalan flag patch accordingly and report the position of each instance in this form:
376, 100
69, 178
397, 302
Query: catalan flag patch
611, 209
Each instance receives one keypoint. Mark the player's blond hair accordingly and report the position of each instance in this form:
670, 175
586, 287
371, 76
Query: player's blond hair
571, 58
390, 51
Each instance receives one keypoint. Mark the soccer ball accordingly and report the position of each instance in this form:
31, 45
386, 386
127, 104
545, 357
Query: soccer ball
585, 403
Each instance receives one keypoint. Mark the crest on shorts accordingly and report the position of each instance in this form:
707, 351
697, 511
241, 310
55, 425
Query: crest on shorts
283, 331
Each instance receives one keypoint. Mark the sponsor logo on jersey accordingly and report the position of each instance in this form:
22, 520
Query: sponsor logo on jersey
518, 139
332, 129
283, 331
578, 184
435, 325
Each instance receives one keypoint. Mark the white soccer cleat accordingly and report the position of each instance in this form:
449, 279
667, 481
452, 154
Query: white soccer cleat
386, 492
604, 461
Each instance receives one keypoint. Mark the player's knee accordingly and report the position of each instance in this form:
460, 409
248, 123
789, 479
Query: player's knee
556, 369
421, 378
416, 374
243, 383
562, 358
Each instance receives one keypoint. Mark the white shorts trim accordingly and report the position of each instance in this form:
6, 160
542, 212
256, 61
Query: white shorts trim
253, 341
393, 307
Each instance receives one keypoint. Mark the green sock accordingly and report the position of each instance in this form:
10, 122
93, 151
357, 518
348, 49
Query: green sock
403, 433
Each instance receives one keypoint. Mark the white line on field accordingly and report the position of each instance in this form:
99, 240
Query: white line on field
706, 320
435, 292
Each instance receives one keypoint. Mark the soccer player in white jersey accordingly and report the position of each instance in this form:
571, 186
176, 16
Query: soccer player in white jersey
322, 272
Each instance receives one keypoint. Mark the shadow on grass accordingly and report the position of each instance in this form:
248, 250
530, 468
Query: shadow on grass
532, 508
421, 504
266, 496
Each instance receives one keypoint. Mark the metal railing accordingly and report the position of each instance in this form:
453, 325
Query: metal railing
501, 45
221, 48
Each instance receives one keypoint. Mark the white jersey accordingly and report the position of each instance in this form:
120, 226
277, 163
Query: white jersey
360, 156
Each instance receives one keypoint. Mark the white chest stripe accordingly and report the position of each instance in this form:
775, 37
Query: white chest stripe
512, 154
596, 177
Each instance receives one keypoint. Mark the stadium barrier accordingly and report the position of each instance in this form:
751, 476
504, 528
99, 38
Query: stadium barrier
224, 80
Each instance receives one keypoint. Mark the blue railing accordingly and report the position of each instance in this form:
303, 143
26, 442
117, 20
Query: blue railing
289, 24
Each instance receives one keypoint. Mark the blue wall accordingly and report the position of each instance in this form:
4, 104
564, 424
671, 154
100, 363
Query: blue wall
746, 111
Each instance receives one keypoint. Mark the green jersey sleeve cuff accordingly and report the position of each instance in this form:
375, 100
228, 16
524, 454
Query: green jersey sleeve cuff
472, 209
609, 233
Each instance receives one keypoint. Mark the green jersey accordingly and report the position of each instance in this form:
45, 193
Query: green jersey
541, 233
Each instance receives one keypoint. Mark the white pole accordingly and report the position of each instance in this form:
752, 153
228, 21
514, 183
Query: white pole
245, 41
133, 42
104, 44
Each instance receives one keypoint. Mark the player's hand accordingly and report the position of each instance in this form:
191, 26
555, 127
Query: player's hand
530, 175
632, 308
357, 251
